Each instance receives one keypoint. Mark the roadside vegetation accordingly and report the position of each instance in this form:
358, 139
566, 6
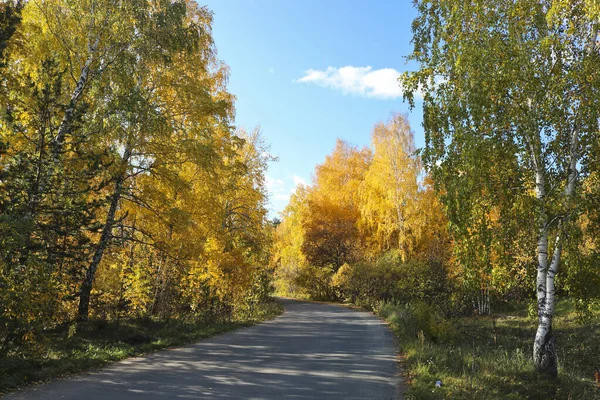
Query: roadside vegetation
73, 348
132, 209
133, 212
467, 245
490, 357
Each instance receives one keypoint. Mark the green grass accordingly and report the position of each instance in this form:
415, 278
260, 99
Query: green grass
76, 348
471, 364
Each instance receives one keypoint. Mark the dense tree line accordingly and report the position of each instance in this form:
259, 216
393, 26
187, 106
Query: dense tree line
511, 92
441, 236
510, 106
125, 189
370, 218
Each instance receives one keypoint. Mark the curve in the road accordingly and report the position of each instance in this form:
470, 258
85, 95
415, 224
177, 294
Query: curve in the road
312, 351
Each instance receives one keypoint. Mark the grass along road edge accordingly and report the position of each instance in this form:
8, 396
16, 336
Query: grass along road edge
75, 348
491, 357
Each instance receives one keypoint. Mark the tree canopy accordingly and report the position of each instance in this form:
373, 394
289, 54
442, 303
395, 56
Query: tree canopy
125, 188
510, 114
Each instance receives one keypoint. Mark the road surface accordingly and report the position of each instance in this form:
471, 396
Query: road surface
312, 351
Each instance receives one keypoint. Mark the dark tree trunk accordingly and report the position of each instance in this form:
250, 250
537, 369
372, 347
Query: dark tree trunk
544, 354
86, 286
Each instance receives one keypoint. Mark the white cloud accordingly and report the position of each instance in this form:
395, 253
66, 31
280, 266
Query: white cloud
298, 180
282, 197
266, 155
273, 183
362, 81
280, 190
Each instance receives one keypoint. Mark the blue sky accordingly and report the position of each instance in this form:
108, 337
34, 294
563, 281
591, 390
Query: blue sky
311, 71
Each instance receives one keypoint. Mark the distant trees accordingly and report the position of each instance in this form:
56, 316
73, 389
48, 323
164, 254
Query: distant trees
399, 209
511, 92
362, 205
124, 188
331, 235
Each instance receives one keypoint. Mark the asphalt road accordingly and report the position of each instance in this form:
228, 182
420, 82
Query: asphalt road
312, 351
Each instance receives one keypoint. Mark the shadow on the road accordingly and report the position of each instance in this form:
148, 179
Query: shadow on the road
311, 351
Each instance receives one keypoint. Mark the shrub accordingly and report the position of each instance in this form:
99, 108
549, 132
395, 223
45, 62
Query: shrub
317, 283
390, 279
418, 320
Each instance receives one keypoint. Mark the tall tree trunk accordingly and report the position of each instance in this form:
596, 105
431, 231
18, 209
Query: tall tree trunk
66, 122
544, 347
57, 143
86, 286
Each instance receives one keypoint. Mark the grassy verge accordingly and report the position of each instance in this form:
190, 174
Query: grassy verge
71, 349
490, 357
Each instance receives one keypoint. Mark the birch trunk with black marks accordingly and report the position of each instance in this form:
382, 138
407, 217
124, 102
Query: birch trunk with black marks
57, 143
65, 124
544, 350
544, 347
105, 236
483, 302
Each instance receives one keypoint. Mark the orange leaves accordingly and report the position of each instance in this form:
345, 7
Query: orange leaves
363, 202
329, 221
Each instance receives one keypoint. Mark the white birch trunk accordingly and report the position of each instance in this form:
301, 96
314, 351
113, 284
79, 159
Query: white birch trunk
65, 124
544, 351
57, 143
544, 348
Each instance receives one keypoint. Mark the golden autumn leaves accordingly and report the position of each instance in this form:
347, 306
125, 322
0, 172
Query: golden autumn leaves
125, 190
362, 204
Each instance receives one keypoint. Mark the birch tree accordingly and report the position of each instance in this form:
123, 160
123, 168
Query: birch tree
167, 109
55, 62
390, 191
119, 160
331, 235
512, 84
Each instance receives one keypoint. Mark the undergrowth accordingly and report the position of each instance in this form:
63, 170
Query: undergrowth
74, 347
491, 357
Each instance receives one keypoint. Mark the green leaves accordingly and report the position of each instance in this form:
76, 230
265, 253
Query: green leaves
123, 176
509, 130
